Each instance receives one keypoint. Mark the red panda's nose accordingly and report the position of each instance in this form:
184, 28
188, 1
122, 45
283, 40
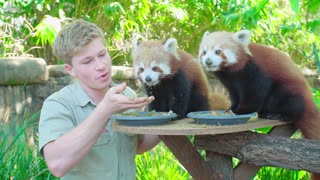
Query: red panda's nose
208, 62
148, 79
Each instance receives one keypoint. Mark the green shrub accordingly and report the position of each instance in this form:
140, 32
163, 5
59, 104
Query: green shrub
160, 164
19, 157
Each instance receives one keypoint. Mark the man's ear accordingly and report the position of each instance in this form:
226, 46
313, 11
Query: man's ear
69, 69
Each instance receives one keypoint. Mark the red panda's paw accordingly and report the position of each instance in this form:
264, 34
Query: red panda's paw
229, 110
219, 102
281, 117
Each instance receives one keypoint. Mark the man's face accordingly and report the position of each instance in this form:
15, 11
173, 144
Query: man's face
92, 66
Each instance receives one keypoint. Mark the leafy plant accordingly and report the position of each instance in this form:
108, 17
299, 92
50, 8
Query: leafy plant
19, 157
160, 163
290, 27
18, 19
272, 23
316, 97
272, 173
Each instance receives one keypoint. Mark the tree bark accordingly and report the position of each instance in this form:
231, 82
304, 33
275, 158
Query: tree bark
189, 157
265, 150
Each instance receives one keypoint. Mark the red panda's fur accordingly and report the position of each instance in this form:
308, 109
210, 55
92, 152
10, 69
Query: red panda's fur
196, 74
232, 55
281, 68
180, 63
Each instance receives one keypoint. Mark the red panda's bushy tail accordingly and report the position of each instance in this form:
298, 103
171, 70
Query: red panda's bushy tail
310, 128
310, 124
218, 101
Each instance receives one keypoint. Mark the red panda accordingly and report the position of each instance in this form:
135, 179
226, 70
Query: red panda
174, 78
260, 79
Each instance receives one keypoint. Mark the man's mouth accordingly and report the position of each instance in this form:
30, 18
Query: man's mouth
103, 76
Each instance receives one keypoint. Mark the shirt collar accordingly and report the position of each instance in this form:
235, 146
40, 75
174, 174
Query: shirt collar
82, 96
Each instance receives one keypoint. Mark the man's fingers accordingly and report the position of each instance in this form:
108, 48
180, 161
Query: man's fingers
139, 101
142, 99
135, 103
150, 99
118, 89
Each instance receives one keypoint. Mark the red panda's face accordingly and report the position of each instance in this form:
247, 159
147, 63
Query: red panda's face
224, 50
151, 61
217, 51
151, 73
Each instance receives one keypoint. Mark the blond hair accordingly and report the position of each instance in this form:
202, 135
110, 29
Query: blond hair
73, 37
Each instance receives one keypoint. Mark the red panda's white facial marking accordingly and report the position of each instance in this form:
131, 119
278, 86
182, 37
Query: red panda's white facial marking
215, 58
217, 51
231, 57
152, 59
211, 59
151, 74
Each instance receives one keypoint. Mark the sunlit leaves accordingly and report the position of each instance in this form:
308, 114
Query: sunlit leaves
113, 9
295, 5
47, 30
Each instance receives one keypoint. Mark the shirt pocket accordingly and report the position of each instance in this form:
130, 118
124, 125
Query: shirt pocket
104, 138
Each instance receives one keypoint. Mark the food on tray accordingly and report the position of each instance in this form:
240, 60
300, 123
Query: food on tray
219, 117
143, 114
218, 113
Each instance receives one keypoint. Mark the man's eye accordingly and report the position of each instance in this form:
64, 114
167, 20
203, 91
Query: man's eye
101, 55
87, 62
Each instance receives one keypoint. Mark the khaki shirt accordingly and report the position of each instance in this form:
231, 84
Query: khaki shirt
113, 155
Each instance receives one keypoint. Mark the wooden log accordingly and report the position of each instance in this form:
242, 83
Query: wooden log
245, 171
265, 150
189, 157
221, 164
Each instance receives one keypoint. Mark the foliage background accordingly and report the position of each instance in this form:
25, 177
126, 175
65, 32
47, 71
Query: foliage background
28, 27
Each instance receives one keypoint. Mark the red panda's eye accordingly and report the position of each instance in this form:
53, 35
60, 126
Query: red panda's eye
204, 53
141, 69
218, 52
155, 68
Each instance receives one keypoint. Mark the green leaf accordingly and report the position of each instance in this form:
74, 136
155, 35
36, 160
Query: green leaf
295, 5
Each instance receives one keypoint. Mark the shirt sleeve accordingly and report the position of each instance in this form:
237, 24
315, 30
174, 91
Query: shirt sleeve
55, 120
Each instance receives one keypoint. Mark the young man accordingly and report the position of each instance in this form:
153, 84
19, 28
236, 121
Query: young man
75, 137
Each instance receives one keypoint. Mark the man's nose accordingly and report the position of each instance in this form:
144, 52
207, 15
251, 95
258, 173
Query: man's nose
100, 64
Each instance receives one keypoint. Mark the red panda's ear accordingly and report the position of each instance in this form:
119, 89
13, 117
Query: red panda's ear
206, 33
137, 38
243, 37
170, 46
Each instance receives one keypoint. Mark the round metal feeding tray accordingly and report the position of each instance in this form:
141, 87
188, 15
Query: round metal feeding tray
143, 118
219, 117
